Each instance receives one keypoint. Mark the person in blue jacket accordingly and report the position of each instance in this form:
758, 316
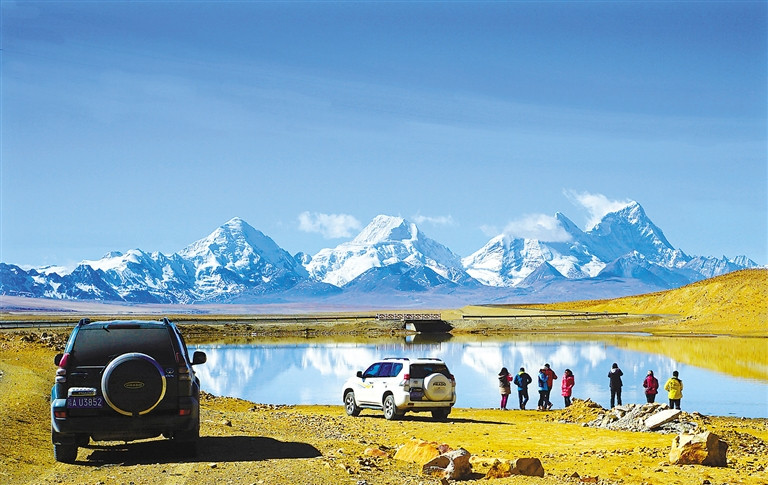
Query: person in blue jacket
522, 379
543, 381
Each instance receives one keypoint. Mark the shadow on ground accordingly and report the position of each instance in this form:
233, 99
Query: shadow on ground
426, 418
209, 449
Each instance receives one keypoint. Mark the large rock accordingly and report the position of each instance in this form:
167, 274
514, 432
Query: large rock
453, 465
661, 417
530, 467
420, 451
698, 449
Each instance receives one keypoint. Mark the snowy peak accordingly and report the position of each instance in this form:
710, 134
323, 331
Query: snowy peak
569, 226
386, 241
387, 229
629, 229
236, 257
236, 243
235, 234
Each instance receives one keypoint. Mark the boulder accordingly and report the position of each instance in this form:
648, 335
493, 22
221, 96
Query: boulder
453, 465
420, 451
500, 469
661, 417
529, 467
698, 449
375, 452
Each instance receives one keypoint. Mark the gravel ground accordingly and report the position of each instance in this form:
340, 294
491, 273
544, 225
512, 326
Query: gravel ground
244, 442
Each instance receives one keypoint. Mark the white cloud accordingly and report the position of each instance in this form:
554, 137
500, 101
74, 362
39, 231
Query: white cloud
597, 205
537, 226
435, 221
331, 226
490, 230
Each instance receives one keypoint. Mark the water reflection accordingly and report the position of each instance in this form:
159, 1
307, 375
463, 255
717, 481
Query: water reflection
309, 372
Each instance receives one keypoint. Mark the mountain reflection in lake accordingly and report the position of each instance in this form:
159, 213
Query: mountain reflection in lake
313, 373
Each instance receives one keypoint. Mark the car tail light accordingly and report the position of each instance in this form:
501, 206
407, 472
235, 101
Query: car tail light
185, 412
184, 373
406, 382
60, 413
61, 372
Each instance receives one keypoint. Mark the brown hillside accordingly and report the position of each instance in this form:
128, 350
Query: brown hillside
734, 303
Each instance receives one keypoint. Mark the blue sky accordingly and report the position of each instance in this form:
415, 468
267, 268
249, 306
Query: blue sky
149, 124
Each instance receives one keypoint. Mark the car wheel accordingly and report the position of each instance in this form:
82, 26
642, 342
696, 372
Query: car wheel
350, 406
186, 441
65, 453
441, 414
390, 410
133, 384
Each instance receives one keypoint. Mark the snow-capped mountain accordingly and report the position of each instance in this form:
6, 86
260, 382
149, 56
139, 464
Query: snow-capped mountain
384, 242
624, 244
627, 230
236, 257
390, 262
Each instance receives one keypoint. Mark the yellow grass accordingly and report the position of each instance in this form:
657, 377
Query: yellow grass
731, 304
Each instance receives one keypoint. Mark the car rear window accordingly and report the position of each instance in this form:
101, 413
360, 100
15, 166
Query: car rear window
99, 345
420, 371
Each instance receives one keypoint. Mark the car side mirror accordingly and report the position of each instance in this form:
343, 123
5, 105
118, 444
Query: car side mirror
199, 357
57, 359
359, 373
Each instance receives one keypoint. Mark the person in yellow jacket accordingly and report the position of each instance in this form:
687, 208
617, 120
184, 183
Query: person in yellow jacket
674, 387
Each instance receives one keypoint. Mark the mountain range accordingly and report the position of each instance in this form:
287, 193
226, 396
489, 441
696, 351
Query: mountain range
391, 262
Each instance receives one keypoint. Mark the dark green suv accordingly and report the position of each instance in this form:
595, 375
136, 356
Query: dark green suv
124, 380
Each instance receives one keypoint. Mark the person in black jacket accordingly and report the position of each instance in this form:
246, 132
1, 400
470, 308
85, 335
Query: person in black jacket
615, 382
522, 379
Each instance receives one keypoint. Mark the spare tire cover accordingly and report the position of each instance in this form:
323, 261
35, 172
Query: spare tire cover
437, 387
133, 383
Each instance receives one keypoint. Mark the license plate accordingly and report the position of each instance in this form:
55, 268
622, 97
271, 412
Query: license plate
417, 395
92, 402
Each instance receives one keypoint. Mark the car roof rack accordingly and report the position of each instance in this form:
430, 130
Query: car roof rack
396, 358
83, 321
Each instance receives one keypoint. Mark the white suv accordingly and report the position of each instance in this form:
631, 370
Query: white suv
398, 385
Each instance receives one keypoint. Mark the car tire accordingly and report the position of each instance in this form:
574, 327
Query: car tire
133, 384
82, 440
390, 410
441, 414
437, 387
65, 453
350, 406
186, 441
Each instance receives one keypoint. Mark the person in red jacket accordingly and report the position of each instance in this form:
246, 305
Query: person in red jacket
567, 386
551, 376
651, 385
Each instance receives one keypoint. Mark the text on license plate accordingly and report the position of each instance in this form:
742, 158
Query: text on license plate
85, 402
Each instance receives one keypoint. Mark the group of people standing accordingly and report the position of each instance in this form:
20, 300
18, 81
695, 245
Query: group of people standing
546, 378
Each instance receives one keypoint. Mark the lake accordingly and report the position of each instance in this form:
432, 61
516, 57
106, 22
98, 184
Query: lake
311, 372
